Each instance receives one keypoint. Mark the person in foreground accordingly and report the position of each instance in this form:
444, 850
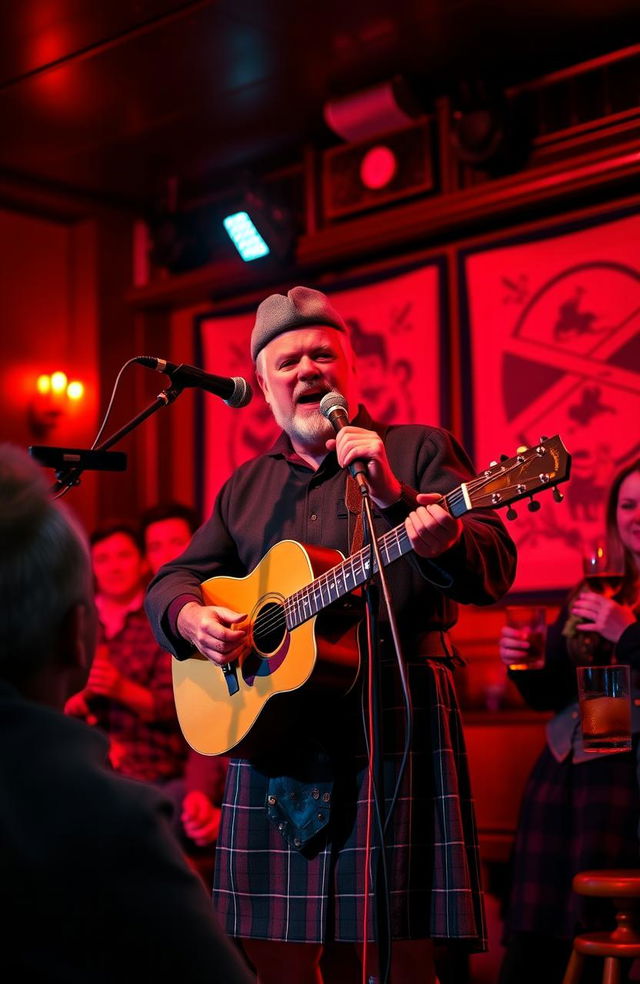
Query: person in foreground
92, 884
290, 866
580, 810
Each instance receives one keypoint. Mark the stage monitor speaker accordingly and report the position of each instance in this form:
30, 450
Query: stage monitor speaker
378, 171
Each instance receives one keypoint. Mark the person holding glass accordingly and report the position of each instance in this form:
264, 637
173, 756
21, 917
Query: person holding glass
580, 808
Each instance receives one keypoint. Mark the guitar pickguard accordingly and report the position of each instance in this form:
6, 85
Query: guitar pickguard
256, 664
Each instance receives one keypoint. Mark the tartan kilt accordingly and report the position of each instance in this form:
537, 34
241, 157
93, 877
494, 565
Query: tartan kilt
266, 889
573, 818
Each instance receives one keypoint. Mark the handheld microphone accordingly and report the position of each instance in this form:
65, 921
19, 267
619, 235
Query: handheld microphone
333, 406
234, 390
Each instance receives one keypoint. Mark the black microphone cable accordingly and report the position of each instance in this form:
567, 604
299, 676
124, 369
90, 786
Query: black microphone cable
333, 406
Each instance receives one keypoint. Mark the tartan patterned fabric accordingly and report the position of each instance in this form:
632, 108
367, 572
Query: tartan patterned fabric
154, 750
574, 817
266, 889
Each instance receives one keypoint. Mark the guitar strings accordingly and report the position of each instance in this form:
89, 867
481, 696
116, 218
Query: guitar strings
295, 603
327, 583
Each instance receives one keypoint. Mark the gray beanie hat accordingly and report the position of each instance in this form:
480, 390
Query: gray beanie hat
301, 306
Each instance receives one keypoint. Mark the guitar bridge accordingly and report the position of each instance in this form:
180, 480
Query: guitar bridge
231, 678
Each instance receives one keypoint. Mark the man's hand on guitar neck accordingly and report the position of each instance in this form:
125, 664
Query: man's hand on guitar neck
431, 529
212, 630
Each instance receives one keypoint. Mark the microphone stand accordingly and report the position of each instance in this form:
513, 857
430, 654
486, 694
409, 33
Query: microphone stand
381, 897
66, 478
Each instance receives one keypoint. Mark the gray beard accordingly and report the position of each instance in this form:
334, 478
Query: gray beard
312, 430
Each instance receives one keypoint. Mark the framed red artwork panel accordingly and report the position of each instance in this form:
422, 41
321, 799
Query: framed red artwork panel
553, 347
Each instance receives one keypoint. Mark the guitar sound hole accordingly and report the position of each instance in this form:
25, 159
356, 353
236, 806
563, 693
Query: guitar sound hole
269, 628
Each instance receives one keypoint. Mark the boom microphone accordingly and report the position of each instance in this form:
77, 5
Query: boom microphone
234, 390
333, 406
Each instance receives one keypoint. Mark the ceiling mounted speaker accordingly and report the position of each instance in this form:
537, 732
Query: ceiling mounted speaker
377, 171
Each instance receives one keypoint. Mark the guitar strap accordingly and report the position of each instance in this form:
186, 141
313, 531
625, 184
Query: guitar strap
353, 500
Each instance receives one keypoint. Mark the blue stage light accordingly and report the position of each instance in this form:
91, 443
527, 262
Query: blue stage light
245, 237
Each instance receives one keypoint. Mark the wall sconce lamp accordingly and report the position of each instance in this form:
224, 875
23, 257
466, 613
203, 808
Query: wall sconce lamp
55, 395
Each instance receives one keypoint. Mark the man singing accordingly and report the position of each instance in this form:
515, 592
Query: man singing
290, 877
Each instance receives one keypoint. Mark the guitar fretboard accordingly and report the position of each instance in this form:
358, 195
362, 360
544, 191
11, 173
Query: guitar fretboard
502, 483
356, 569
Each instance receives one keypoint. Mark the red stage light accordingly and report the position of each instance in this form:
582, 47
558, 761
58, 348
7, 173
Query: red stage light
378, 167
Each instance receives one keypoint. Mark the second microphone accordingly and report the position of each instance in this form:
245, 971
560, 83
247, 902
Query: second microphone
333, 406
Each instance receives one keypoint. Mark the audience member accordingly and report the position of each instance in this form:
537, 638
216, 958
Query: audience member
129, 692
92, 886
580, 809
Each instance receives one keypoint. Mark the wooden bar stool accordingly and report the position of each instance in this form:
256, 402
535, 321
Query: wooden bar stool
623, 942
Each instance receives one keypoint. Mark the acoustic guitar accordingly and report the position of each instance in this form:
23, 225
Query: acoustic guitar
303, 613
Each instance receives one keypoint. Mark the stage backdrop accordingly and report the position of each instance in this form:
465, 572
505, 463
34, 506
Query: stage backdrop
396, 330
552, 329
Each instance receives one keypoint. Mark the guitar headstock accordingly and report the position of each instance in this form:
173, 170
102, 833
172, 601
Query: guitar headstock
529, 471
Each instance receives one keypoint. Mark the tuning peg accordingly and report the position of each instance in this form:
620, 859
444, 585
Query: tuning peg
504, 457
557, 494
543, 439
511, 513
534, 505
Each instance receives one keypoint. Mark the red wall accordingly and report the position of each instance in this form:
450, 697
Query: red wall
48, 322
